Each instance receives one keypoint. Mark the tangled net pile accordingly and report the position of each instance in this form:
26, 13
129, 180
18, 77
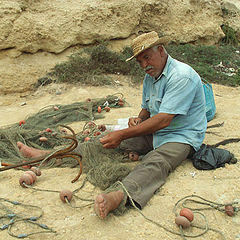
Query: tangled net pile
42, 131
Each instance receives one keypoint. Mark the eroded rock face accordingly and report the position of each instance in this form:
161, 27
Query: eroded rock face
55, 25
231, 16
30, 26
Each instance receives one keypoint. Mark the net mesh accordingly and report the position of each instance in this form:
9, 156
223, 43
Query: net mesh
103, 167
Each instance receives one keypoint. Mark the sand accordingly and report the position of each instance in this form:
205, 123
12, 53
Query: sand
220, 185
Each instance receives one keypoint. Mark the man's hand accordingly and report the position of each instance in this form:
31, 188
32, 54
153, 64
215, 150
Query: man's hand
133, 121
111, 140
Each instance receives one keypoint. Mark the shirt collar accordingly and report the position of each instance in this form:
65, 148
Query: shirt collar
165, 70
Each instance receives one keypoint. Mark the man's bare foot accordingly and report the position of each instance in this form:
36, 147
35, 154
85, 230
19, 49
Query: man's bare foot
30, 152
106, 203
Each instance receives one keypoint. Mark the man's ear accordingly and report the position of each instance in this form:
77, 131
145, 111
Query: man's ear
161, 50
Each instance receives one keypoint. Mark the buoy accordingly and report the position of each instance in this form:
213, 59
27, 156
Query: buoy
36, 170
43, 139
87, 139
91, 124
229, 210
66, 194
102, 127
22, 122
86, 132
99, 109
186, 212
133, 156
25, 179
182, 221
33, 174
31, 177
48, 130
107, 109
97, 133
120, 102
26, 166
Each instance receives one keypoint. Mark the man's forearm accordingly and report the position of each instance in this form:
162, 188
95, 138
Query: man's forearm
148, 126
144, 114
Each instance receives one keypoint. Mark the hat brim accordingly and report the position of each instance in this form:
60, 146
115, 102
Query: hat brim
162, 40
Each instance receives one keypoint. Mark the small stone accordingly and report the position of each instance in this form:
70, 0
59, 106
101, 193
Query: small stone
229, 210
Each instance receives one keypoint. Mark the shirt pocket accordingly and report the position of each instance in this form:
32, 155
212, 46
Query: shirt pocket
157, 104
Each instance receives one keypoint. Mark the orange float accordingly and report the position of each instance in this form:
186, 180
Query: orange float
66, 194
43, 139
36, 170
182, 221
33, 175
107, 109
48, 130
22, 122
186, 212
133, 156
97, 133
25, 179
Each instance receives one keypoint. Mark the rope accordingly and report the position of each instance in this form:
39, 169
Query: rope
67, 201
14, 217
205, 228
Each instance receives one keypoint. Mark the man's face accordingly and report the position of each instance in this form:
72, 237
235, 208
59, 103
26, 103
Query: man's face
152, 62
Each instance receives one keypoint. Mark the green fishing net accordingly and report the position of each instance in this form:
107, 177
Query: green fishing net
44, 130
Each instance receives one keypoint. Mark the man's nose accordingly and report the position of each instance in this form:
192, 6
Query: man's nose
144, 64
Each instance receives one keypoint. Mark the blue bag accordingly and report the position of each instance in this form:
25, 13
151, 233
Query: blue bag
209, 97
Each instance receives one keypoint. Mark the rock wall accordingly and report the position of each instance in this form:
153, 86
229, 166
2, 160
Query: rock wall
30, 27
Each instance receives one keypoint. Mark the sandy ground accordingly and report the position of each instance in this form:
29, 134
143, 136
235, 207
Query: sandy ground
220, 185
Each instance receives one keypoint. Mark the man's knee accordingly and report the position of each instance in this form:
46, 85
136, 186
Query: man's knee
157, 164
140, 145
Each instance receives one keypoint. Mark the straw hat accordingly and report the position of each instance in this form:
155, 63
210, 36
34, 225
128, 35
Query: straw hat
145, 41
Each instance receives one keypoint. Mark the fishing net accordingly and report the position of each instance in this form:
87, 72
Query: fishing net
44, 130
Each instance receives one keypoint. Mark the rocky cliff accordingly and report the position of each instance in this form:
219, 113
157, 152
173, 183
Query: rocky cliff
36, 34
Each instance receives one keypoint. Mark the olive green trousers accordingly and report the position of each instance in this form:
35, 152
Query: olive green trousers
154, 167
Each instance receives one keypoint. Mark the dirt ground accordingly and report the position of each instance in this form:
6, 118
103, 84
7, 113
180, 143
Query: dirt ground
220, 185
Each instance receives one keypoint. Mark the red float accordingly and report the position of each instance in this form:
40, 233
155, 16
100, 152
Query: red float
186, 212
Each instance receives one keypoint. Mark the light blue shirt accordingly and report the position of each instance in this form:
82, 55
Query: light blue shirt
178, 90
